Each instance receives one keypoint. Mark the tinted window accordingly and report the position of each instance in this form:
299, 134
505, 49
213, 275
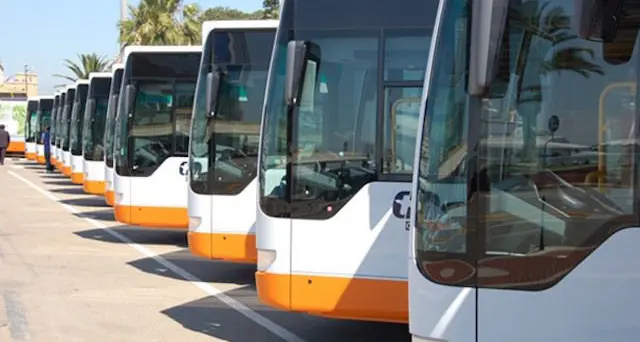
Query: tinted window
112, 110
77, 119
95, 116
30, 127
335, 128
225, 148
66, 119
548, 170
60, 120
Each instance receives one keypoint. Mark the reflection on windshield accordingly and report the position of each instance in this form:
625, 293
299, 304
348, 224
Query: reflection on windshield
550, 171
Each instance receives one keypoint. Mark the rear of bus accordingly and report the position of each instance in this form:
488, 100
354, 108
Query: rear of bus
75, 131
54, 121
45, 106
152, 135
109, 132
66, 129
514, 240
94, 124
60, 130
30, 126
225, 135
336, 157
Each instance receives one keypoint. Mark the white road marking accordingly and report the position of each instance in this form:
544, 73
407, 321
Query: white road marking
205, 287
450, 313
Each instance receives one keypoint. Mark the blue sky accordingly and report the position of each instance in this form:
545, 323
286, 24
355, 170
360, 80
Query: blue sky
42, 33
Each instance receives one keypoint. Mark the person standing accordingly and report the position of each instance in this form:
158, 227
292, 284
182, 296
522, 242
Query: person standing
46, 141
5, 139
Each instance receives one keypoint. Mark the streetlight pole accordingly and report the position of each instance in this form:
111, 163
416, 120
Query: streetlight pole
123, 17
26, 81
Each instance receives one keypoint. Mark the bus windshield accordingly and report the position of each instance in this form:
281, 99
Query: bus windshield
355, 120
77, 118
54, 118
224, 149
44, 117
66, 118
31, 125
95, 117
548, 171
157, 126
110, 121
60, 120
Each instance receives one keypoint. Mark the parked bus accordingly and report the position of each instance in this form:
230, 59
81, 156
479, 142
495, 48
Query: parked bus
225, 134
95, 116
66, 129
60, 130
338, 136
75, 131
30, 128
152, 135
505, 246
109, 132
45, 105
54, 120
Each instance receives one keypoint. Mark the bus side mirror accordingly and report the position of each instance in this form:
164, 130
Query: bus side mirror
212, 90
295, 70
129, 98
488, 19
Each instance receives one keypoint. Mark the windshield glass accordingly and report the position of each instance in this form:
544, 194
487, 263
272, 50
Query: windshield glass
60, 120
54, 117
547, 172
95, 116
112, 111
31, 121
77, 118
224, 149
157, 125
44, 117
66, 118
355, 121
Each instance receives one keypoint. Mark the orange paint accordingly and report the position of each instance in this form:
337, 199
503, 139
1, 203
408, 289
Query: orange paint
94, 187
155, 217
30, 155
110, 197
16, 147
77, 178
40, 159
66, 170
238, 248
53, 160
336, 297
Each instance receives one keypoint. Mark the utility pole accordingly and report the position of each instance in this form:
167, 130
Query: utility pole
26, 81
123, 17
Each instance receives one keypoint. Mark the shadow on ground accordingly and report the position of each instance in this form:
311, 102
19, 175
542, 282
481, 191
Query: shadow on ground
89, 201
142, 236
214, 271
64, 181
72, 190
210, 316
33, 167
55, 176
101, 215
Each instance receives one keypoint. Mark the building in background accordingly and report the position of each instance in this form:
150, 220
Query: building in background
14, 91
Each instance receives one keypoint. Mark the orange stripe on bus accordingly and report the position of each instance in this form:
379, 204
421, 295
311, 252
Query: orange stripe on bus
238, 248
110, 197
154, 217
94, 187
16, 146
30, 155
77, 178
41, 160
336, 297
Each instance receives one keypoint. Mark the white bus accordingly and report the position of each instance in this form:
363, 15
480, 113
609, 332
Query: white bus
54, 121
109, 131
507, 246
338, 136
75, 131
59, 130
225, 134
66, 129
43, 119
30, 125
94, 124
152, 135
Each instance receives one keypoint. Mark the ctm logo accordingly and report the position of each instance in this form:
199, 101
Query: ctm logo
401, 207
184, 168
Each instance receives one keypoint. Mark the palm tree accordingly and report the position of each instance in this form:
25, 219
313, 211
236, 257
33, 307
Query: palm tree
89, 63
161, 22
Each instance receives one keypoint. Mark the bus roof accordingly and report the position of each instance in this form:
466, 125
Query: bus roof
99, 74
116, 66
79, 82
160, 48
69, 87
45, 97
211, 25
33, 98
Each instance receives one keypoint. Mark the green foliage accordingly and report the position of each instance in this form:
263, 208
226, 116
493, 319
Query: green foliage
20, 115
87, 64
271, 9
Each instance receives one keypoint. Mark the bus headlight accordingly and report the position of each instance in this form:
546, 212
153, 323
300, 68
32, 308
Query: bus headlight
266, 257
194, 222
